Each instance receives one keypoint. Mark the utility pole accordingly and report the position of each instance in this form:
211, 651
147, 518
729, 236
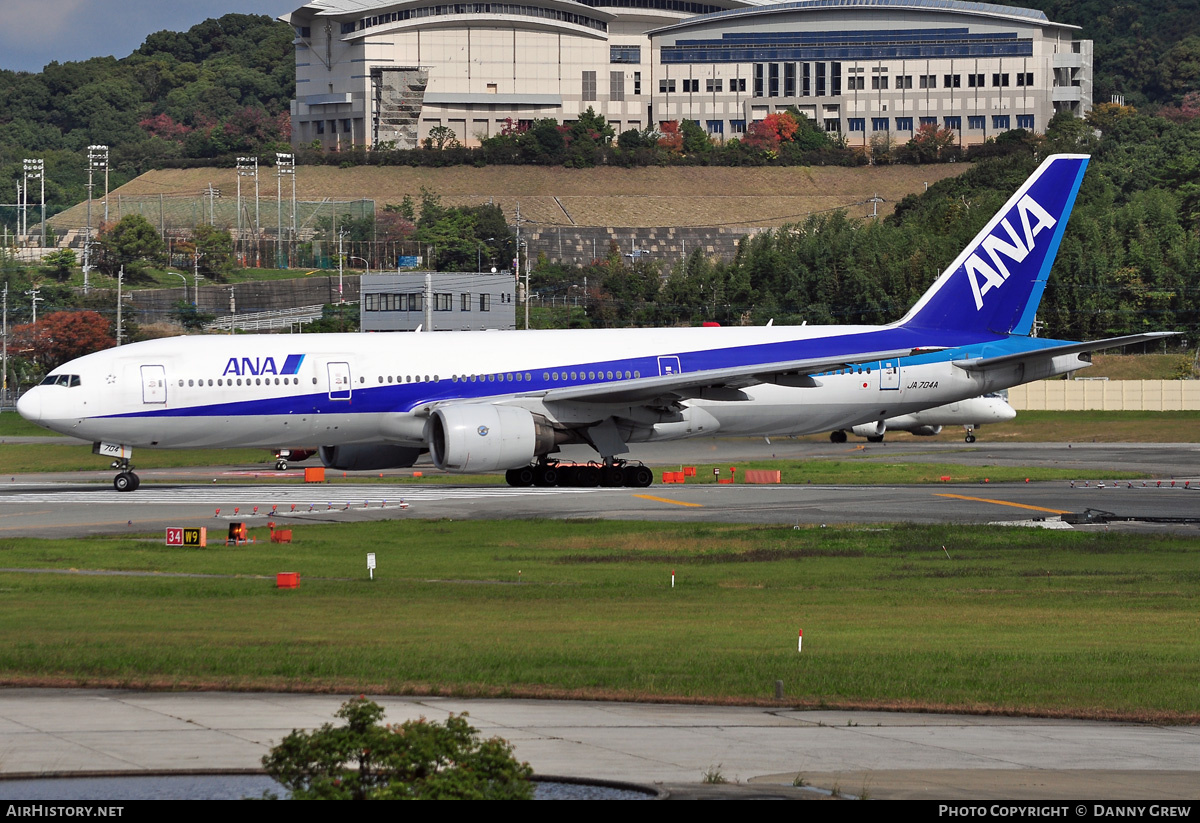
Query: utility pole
120, 280
34, 300
341, 234
248, 167
285, 164
4, 386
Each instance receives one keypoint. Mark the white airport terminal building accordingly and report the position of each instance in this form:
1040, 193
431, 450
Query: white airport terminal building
378, 72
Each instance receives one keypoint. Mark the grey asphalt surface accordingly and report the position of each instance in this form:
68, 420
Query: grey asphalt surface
760, 751
880, 755
73, 504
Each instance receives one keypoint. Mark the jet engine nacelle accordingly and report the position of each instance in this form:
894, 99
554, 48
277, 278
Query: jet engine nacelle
926, 431
368, 458
875, 429
480, 437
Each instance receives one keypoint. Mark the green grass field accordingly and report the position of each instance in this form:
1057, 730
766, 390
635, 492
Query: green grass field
1001, 620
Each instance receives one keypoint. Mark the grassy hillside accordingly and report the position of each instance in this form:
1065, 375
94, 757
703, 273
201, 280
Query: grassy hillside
684, 196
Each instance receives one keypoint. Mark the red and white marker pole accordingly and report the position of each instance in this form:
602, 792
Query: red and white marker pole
672, 578
800, 642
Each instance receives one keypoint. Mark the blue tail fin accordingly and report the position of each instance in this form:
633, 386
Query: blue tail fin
997, 281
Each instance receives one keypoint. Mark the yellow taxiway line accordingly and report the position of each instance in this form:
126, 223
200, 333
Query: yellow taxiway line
1003, 503
672, 502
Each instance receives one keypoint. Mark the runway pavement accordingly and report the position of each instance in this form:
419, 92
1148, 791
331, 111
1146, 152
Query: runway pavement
85, 503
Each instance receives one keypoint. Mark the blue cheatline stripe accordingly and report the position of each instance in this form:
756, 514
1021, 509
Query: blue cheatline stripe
292, 364
402, 398
1024, 324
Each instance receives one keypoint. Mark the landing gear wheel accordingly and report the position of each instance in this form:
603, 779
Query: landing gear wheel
126, 482
520, 477
838, 436
587, 476
638, 477
281, 465
612, 476
546, 475
970, 438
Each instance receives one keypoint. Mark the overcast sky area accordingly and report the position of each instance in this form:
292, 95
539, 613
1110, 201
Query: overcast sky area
36, 32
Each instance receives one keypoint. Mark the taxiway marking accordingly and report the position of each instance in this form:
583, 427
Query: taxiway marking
666, 500
1004, 503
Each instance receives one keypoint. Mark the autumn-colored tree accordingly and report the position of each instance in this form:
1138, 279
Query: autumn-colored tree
928, 144
772, 130
671, 138
62, 336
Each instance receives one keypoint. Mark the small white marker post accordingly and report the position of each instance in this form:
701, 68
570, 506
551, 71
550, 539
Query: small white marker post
371, 564
672, 578
800, 642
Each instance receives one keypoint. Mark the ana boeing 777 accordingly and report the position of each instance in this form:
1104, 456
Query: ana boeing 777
506, 400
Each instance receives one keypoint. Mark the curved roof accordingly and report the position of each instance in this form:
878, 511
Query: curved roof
1013, 13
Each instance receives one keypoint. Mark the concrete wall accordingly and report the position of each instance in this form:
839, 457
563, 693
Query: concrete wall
1110, 395
580, 245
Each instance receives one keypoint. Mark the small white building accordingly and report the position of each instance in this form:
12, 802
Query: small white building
437, 301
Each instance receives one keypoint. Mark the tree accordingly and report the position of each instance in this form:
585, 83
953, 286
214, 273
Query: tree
59, 263
189, 316
132, 243
216, 252
62, 336
417, 760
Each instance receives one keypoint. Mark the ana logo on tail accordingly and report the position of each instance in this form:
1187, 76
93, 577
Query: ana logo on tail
1016, 248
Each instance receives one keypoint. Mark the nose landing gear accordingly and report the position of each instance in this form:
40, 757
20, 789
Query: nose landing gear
126, 480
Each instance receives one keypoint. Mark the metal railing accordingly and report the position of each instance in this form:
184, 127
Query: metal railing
263, 320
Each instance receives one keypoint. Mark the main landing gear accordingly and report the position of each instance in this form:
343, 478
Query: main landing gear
837, 436
126, 480
611, 474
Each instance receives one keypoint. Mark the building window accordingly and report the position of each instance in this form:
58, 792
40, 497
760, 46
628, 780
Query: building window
856, 83
485, 302
413, 302
879, 124
1000, 80
904, 81
625, 54
370, 302
666, 86
789, 79
1000, 122
637, 83
589, 85
904, 124
820, 80
1024, 78
713, 85
952, 81
737, 126
1025, 121
951, 123
879, 82
833, 124
856, 123
716, 127
320, 124
758, 80
616, 86
928, 121
346, 125
691, 85
773, 80
975, 81
464, 302
975, 122
929, 81
443, 302
737, 84
806, 80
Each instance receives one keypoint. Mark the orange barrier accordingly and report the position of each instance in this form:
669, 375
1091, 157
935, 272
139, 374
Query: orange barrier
281, 536
689, 471
314, 474
726, 481
761, 476
287, 580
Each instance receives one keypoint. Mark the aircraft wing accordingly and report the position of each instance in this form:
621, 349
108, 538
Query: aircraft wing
984, 363
716, 384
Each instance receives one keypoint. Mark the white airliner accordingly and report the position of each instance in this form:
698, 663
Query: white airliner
970, 414
489, 401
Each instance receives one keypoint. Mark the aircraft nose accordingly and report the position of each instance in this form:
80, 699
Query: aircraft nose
29, 406
1006, 413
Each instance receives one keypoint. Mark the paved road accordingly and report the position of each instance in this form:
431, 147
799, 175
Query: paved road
884, 755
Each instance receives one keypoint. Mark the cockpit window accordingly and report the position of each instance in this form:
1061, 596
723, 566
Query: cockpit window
69, 380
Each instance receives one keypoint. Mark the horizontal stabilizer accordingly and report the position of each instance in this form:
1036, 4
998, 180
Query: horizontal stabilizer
985, 363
